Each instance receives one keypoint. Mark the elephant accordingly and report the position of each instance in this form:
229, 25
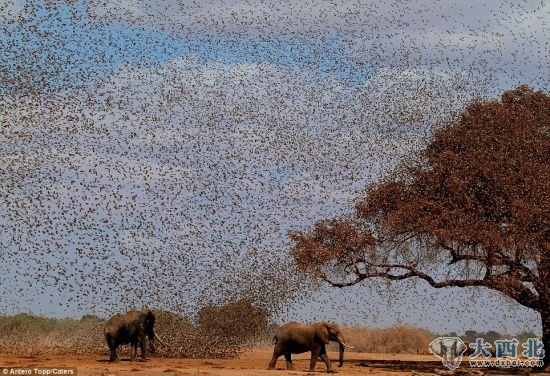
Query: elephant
131, 328
296, 338
449, 350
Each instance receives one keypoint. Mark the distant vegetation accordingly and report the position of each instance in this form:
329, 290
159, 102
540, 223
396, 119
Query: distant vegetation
491, 336
405, 339
30, 335
399, 339
217, 332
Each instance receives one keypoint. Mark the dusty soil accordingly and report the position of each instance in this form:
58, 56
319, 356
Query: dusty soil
250, 363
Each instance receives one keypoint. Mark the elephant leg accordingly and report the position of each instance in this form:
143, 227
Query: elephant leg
133, 351
326, 359
113, 356
288, 358
314, 355
276, 356
112, 347
143, 347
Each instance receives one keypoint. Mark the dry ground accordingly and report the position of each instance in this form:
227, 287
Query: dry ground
250, 363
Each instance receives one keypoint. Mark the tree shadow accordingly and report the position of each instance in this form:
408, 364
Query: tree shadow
437, 367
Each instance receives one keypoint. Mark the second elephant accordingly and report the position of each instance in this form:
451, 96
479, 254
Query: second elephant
296, 338
133, 328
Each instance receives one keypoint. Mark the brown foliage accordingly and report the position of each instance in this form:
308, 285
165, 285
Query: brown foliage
331, 240
483, 181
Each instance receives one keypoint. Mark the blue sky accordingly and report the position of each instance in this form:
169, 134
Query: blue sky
187, 137
70, 49
69, 44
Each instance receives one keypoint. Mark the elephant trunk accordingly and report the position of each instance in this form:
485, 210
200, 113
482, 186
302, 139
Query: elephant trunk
342, 346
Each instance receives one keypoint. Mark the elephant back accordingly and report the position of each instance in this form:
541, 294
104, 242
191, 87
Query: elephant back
121, 322
295, 332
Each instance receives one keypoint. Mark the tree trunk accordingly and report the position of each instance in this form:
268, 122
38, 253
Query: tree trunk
545, 316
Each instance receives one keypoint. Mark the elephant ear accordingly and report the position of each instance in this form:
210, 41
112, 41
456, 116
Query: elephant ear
460, 347
149, 317
436, 347
322, 332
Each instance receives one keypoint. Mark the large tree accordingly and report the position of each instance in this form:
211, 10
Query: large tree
474, 205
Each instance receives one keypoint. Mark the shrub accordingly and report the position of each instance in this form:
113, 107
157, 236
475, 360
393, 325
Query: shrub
399, 339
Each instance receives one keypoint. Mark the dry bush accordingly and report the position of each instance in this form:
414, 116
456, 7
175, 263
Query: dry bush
240, 320
179, 334
32, 335
400, 339
220, 331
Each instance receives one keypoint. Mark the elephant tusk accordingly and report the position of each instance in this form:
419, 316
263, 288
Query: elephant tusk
348, 346
158, 338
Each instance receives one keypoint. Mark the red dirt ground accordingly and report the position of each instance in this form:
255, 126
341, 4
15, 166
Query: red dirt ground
250, 363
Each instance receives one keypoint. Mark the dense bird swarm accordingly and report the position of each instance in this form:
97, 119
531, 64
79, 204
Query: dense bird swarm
159, 152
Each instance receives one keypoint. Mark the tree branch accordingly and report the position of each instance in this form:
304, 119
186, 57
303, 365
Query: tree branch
507, 283
497, 258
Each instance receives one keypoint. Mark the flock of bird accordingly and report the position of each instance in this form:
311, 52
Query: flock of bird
167, 166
